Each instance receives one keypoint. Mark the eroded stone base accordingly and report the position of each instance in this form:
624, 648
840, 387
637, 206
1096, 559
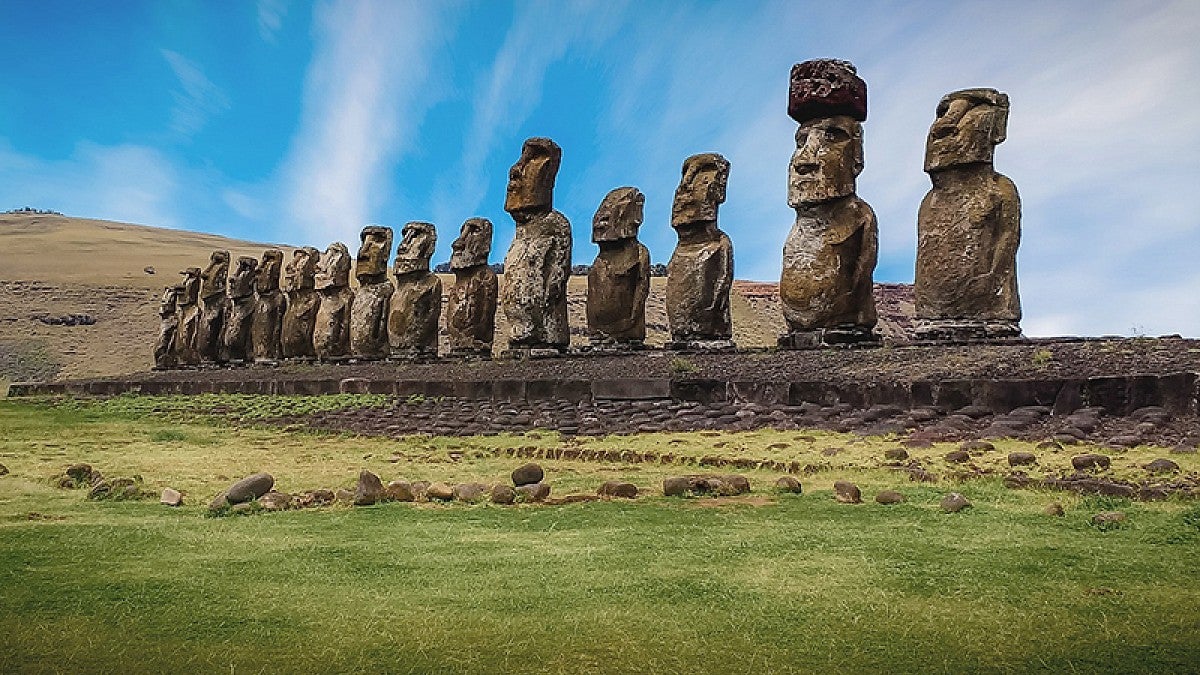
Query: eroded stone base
533, 352
966, 330
842, 335
701, 346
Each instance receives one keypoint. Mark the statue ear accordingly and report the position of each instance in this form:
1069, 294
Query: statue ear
858, 149
1000, 124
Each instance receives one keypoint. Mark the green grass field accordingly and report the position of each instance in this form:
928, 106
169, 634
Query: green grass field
762, 583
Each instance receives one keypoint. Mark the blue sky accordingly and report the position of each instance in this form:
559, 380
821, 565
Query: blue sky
299, 122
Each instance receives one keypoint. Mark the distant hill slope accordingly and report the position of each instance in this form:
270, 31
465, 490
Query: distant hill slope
55, 270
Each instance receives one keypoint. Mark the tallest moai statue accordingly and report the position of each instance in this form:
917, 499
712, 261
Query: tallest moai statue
829, 256
969, 225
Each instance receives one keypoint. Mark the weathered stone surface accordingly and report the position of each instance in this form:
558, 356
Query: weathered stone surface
826, 88
700, 272
830, 254
416, 306
82, 474
1054, 509
737, 484
616, 488
168, 328
976, 446
969, 224
789, 484
958, 456
676, 486
239, 317
399, 491
303, 302
954, 502
249, 488
188, 313
1161, 465
313, 498
214, 282
1021, 458
533, 294
368, 490
171, 497
372, 301
267, 326
527, 474
3, 470
889, 497
115, 489
218, 503
897, 454
619, 279
503, 494
439, 492
533, 492
331, 329
1090, 461
846, 492
275, 501
470, 492
1109, 518
471, 306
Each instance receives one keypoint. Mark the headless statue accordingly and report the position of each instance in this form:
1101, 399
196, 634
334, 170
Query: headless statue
619, 281
471, 309
331, 333
417, 303
300, 316
369, 313
213, 300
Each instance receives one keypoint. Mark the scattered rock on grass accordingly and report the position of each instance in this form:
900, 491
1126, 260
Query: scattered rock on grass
1090, 461
735, 484
789, 484
3, 470
275, 501
343, 496
954, 502
616, 488
399, 491
958, 456
528, 474
976, 446
439, 492
888, 497
83, 474
469, 492
533, 492
249, 488
1109, 518
675, 486
171, 497
1161, 465
1053, 509
899, 454
503, 494
368, 490
115, 489
312, 498
1021, 458
846, 492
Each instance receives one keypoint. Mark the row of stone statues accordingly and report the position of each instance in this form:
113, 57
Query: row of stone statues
968, 232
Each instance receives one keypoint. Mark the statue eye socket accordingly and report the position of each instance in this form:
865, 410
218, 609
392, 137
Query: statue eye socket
836, 135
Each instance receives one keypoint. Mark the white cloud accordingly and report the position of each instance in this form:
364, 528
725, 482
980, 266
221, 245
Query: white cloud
270, 18
365, 93
200, 98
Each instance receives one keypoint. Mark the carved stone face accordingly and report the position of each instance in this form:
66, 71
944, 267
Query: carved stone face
474, 244
531, 179
333, 271
701, 190
191, 286
214, 277
373, 253
619, 215
266, 280
828, 158
826, 88
241, 283
969, 125
416, 248
300, 272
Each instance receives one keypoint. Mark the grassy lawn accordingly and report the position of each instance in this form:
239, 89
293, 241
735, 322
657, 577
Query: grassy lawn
765, 583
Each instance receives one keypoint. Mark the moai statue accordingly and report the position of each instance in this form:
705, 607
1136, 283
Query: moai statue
369, 312
700, 273
188, 312
969, 225
240, 316
331, 334
168, 328
417, 304
471, 310
267, 327
830, 254
213, 282
619, 281
538, 264
300, 316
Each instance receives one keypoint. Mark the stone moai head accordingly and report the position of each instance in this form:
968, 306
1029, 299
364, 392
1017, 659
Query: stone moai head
417, 242
215, 276
531, 179
474, 244
266, 279
170, 297
829, 101
333, 271
373, 254
190, 286
241, 283
619, 215
970, 124
701, 189
300, 273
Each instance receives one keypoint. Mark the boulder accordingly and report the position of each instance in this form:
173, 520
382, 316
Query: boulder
171, 497
369, 489
1021, 458
218, 503
399, 491
439, 491
1109, 518
958, 456
1161, 465
976, 446
954, 502
616, 488
676, 486
420, 490
789, 484
736, 484
313, 498
1053, 509
275, 501
249, 488
898, 454
527, 474
503, 494
846, 492
889, 497
115, 489
533, 492
469, 492
1090, 461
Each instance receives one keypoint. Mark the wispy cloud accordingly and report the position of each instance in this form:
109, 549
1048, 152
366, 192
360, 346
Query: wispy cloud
270, 18
364, 97
197, 100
